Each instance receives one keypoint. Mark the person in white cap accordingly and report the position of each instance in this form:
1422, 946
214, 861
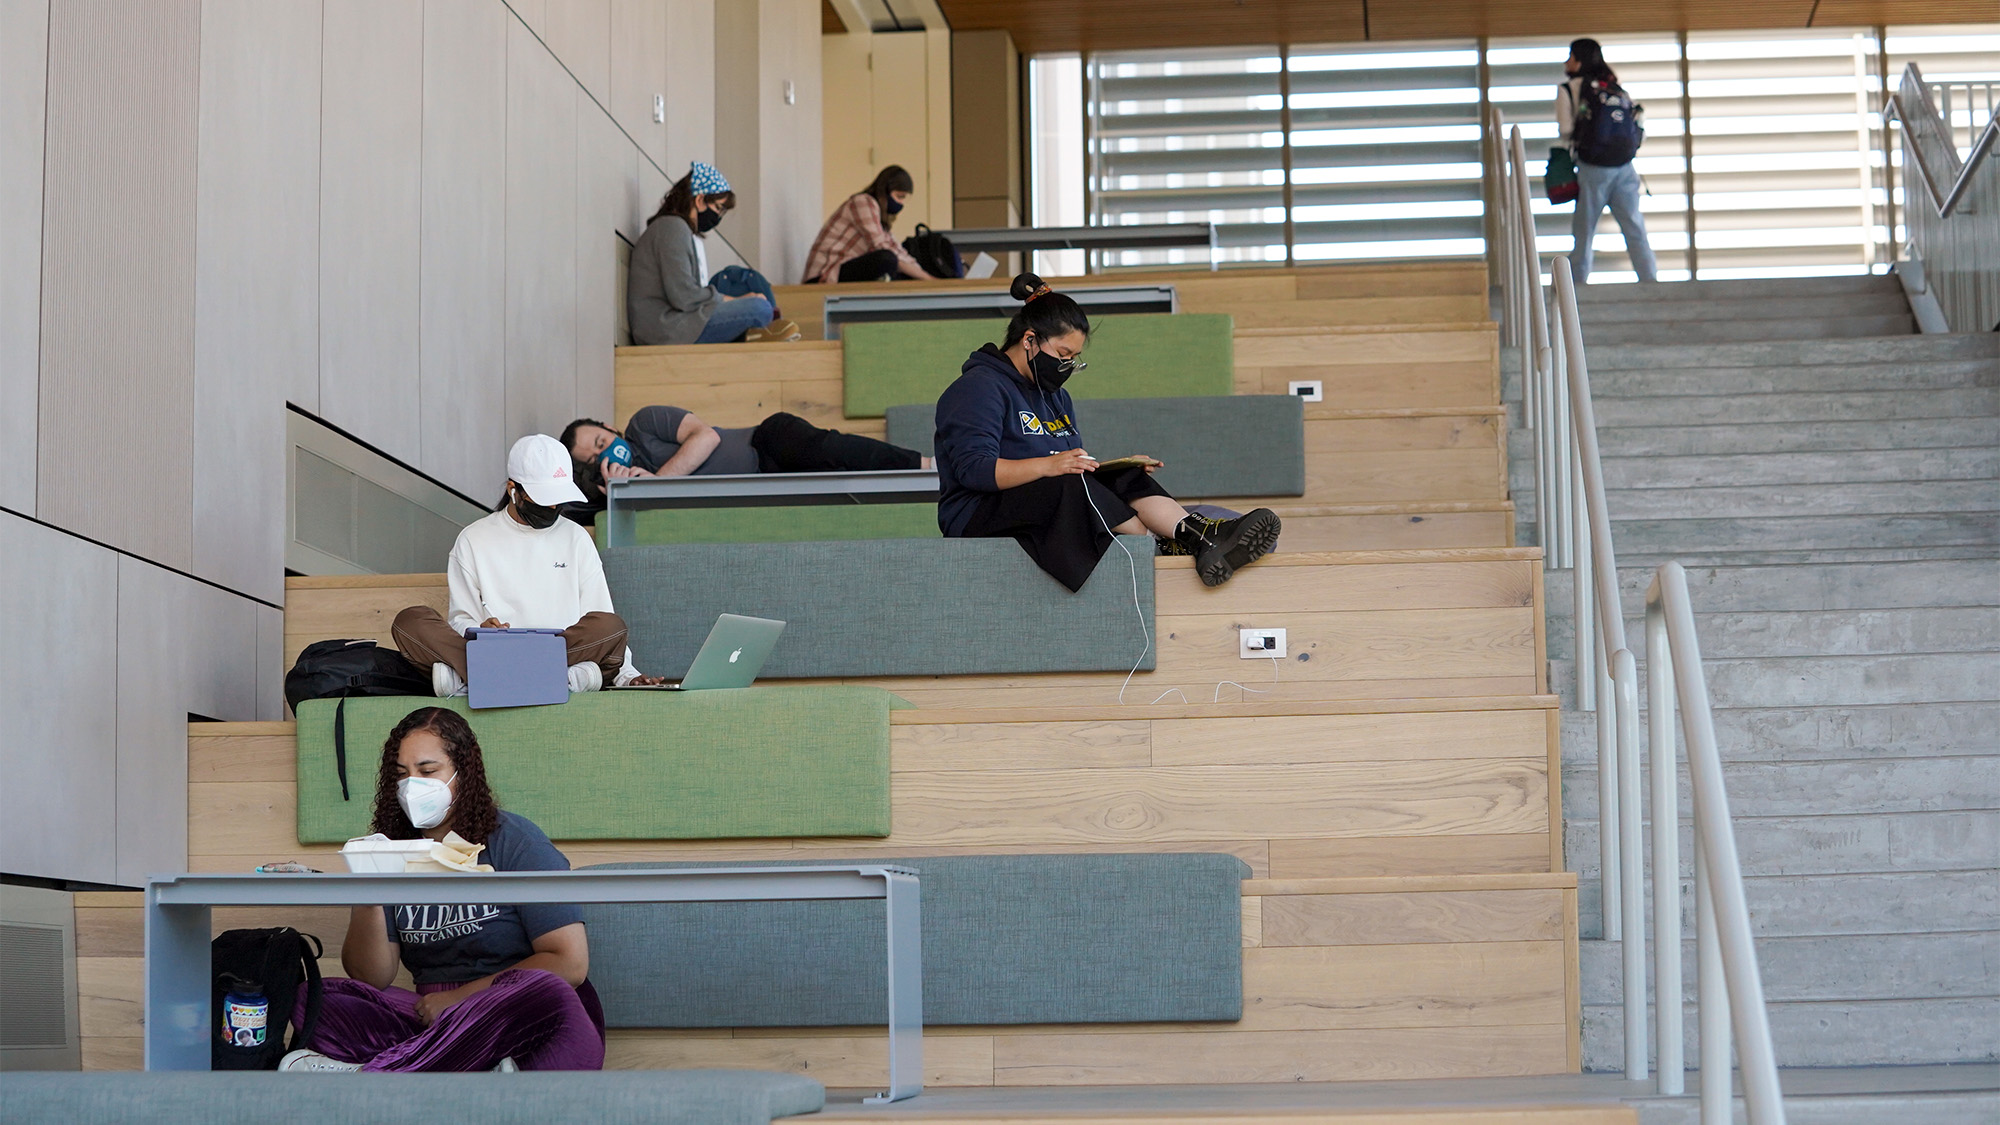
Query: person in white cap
524, 567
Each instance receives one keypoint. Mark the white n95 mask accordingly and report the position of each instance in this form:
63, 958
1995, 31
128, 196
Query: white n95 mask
425, 800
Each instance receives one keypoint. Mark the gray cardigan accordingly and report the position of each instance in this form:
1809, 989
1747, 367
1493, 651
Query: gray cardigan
666, 300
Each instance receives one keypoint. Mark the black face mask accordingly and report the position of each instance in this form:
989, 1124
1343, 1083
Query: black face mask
705, 221
533, 514
895, 205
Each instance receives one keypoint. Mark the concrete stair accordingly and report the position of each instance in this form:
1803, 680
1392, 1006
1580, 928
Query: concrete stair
1733, 310
1837, 502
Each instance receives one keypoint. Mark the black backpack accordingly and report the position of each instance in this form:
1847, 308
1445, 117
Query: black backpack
274, 963
935, 253
327, 669
1607, 131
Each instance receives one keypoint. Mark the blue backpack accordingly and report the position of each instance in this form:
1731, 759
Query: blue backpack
1607, 130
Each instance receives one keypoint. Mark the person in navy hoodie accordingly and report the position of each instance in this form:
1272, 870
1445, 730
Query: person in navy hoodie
1011, 463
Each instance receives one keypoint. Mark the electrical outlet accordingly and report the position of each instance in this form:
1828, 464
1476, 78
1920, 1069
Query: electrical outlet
659, 109
1261, 644
1308, 389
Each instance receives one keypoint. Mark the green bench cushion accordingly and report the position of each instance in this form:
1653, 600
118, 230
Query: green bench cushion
1007, 939
1235, 445
782, 524
885, 607
1147, 355
806, 760
611, 1097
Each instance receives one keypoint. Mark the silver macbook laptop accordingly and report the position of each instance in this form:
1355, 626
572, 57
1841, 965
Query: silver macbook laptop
731, 657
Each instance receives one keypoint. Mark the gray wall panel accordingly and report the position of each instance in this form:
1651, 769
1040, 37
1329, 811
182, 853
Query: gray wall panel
24, 41
117, 310
541, 239
639, 71
533, 13
691, 110
184, 647
464, 293
270, 664
607, 184
371, 205
256, 333
58, 672
578, 32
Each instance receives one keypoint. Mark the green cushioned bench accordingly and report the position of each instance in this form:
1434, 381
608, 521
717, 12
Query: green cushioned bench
885, 607
1235, 445
611, 1097
1007, 939
805, 760
1149, 355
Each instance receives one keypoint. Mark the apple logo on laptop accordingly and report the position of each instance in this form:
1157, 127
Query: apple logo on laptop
734, 655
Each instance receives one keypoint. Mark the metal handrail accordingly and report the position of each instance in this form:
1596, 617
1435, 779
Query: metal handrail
1574, 519
1911, 104
1726, 956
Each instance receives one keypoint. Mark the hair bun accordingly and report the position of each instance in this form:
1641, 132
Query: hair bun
1027, 287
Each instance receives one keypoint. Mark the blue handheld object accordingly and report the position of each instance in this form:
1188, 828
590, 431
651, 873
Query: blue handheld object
617, 451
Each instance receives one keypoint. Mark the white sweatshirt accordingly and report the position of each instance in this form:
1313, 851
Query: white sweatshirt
548, 579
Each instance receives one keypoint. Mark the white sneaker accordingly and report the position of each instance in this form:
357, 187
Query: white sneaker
508, 1065
312, 1062
445, 682
586, 677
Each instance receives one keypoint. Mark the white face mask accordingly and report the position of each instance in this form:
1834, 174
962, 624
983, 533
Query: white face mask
425, 800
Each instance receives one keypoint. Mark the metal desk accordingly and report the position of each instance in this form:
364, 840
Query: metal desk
178, 973
972, 304
1139, 236
758, 490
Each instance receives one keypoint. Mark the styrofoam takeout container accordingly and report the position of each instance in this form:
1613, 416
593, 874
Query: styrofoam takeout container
375, 854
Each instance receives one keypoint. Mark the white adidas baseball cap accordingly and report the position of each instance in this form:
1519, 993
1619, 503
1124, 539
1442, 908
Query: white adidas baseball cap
541, 465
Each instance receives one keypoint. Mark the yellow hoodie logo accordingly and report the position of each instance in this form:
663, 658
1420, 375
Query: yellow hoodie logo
1031, 424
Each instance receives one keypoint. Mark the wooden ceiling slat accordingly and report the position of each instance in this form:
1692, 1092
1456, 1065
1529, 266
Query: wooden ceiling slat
1040, 26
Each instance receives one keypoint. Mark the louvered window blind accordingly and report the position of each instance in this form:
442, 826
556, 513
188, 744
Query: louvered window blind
1371, 151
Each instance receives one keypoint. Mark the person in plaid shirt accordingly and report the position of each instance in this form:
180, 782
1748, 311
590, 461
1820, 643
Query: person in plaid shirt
855, 244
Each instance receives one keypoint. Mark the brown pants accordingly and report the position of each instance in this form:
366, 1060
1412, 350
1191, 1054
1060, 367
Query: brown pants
422, 635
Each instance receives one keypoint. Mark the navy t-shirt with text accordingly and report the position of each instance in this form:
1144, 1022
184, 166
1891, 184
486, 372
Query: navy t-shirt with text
455, 944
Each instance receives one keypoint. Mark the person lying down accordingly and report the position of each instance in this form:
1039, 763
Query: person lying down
668, 441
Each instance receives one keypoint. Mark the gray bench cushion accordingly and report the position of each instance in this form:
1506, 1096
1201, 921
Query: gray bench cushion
1008, 939
1239, 445
612, 1097
885, 607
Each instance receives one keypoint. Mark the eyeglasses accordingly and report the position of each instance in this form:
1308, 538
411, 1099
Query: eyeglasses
1072, 364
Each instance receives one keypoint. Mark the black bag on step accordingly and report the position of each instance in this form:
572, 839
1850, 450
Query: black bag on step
256, 981
330, 669
935, 253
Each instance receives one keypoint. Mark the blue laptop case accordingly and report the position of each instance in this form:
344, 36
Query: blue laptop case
516, 668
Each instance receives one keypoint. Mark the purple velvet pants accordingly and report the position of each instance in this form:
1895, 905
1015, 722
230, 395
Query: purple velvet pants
530, 1015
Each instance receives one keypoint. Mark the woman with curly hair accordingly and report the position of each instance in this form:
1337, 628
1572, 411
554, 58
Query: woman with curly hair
497, 987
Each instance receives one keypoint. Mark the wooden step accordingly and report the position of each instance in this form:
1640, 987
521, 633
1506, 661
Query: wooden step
1387, 624
1397, 285
1344, 979
1361, 367
1386, 527
935, 1112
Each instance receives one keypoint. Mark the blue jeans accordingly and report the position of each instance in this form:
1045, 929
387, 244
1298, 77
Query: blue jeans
731, 319
741, 281
1617, 188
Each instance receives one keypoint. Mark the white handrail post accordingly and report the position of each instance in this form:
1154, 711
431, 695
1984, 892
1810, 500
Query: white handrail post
1719, 861
1624, 681
1667, 1025
1583, 578
1712, 1001
1611, 878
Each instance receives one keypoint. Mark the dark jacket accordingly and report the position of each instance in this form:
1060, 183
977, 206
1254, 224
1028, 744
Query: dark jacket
993, 412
